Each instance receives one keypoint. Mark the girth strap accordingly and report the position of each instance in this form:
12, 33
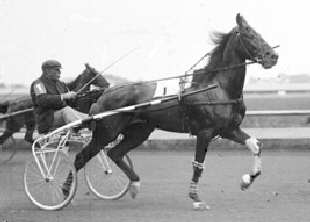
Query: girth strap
185, 104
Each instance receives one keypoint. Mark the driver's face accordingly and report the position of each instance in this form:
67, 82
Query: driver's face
54, 74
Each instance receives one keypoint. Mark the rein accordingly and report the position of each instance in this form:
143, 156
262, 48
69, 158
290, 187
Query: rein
185, 75
88, 93
5, 116
88, 83
210, 70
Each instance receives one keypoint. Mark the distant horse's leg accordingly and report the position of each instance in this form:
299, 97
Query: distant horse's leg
254, 145
203, 139
30, 127
12, 126
5, 136
133, 137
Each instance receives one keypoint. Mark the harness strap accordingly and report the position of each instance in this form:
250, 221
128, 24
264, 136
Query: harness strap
184, 109
220, 102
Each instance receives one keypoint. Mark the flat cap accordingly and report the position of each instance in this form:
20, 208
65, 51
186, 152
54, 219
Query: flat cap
51, 64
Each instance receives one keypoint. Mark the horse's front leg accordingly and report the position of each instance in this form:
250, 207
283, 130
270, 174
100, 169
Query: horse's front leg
30, 127
255, 146
203, 139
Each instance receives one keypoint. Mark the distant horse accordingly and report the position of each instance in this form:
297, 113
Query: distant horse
89, 76
206, 114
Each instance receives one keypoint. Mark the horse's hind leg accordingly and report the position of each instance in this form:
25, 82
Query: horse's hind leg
254, 145
90, 150
134, 135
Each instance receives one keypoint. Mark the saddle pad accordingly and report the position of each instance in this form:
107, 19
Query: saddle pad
168, 88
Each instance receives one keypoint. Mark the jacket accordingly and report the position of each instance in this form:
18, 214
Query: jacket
46, 98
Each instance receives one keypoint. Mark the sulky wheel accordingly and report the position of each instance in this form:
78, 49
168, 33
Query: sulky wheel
105, 179
44, 177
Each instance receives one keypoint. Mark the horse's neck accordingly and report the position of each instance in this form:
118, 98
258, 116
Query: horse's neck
225, 68
72, 85
232, 79
76, 85
229, 76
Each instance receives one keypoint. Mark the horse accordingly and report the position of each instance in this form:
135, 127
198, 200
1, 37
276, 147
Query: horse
203, 113
82, 83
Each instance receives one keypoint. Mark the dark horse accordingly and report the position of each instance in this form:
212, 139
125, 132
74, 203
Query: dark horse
82, 83
191, 114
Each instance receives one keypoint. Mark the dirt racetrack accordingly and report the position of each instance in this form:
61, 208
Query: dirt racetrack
165, 178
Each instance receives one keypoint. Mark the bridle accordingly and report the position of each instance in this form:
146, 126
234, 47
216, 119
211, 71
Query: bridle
252, 58
260, 57
89, 82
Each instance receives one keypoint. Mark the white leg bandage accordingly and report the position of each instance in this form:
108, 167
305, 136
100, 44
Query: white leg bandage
257, 168
198, 165
252, 144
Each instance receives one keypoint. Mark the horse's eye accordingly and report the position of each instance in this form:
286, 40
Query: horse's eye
237, 33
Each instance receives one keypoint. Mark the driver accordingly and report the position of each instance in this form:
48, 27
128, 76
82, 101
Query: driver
51, 99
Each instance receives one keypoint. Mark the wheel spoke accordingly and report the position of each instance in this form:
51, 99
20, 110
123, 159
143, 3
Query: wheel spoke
106, 186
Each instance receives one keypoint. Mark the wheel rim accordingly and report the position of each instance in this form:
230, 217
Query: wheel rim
106, 183
46, 192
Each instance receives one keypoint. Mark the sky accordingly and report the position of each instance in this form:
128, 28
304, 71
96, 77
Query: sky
160, 38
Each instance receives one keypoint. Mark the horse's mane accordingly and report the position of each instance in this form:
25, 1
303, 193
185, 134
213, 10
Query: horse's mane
216, 58
217, 55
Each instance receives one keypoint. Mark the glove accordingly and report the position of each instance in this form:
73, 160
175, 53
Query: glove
69, 95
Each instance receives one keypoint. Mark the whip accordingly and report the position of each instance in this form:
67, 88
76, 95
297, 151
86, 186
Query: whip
108, 67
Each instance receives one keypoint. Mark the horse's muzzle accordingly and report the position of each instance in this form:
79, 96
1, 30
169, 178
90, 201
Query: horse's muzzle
270, 59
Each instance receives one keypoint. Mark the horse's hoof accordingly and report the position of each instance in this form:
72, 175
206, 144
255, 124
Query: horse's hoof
72, 202
65, 191
134, 189
200, 206
29, 140
244, 186
246, 181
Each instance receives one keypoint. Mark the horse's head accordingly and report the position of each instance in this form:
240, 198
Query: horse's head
91, 76
4, 107
252, 46
82, 83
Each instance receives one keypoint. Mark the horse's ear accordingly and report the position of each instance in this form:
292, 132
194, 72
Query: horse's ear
239, 20
87, 66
